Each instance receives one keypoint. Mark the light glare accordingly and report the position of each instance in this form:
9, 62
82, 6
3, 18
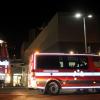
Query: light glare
1, 41
99, 53
4, 62
90, 16
78, 15
36, 52
71, 52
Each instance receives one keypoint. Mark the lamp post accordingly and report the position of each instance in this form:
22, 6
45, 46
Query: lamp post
79, 15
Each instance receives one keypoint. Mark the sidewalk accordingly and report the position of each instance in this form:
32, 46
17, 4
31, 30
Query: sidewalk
16, 91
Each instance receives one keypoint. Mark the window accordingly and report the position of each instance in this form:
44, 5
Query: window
77, 62
96, 61
61, 62
72, 62
49, 62
83, 62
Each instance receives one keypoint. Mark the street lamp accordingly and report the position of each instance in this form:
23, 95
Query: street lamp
99, 53
79, 15
71, 52
1, 41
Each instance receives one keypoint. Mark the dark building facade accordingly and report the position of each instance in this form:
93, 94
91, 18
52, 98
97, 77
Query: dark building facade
64, 33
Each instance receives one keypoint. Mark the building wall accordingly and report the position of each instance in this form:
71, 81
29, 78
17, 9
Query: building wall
71, 33
45, 39
71, 29
64, 33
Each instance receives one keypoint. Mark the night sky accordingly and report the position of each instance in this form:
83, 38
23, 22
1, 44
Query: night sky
16, 26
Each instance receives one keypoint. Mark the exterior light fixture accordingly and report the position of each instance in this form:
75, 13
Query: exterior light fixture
99, 53
1, 41
79, 15
36, 52
71, 52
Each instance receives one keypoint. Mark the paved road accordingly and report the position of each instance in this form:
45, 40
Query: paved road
17, 91
26, 94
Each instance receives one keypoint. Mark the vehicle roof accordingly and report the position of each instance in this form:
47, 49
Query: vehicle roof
67, 54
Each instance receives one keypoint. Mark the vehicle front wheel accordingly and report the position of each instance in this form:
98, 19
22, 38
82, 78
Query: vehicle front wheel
53, 88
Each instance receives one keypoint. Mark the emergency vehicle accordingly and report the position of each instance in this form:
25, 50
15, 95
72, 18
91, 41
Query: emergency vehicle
52, 72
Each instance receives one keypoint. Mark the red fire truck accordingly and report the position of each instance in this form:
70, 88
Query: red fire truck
52, 72
5, 69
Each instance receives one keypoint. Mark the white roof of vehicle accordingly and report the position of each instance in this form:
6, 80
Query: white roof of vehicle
65, 54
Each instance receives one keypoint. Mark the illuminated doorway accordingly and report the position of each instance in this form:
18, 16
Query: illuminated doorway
17, 80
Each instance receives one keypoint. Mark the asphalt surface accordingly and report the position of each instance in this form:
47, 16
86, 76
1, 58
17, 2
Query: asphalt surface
21, 93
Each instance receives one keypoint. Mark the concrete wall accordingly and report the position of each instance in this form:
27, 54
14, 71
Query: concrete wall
45, 39
71, 29
63, 33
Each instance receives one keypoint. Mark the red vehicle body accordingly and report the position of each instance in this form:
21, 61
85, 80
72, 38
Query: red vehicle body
51, 72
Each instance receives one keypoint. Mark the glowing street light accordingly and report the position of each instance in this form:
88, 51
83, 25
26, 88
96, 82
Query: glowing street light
71, 52
79, 15
1, 41
99, 53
